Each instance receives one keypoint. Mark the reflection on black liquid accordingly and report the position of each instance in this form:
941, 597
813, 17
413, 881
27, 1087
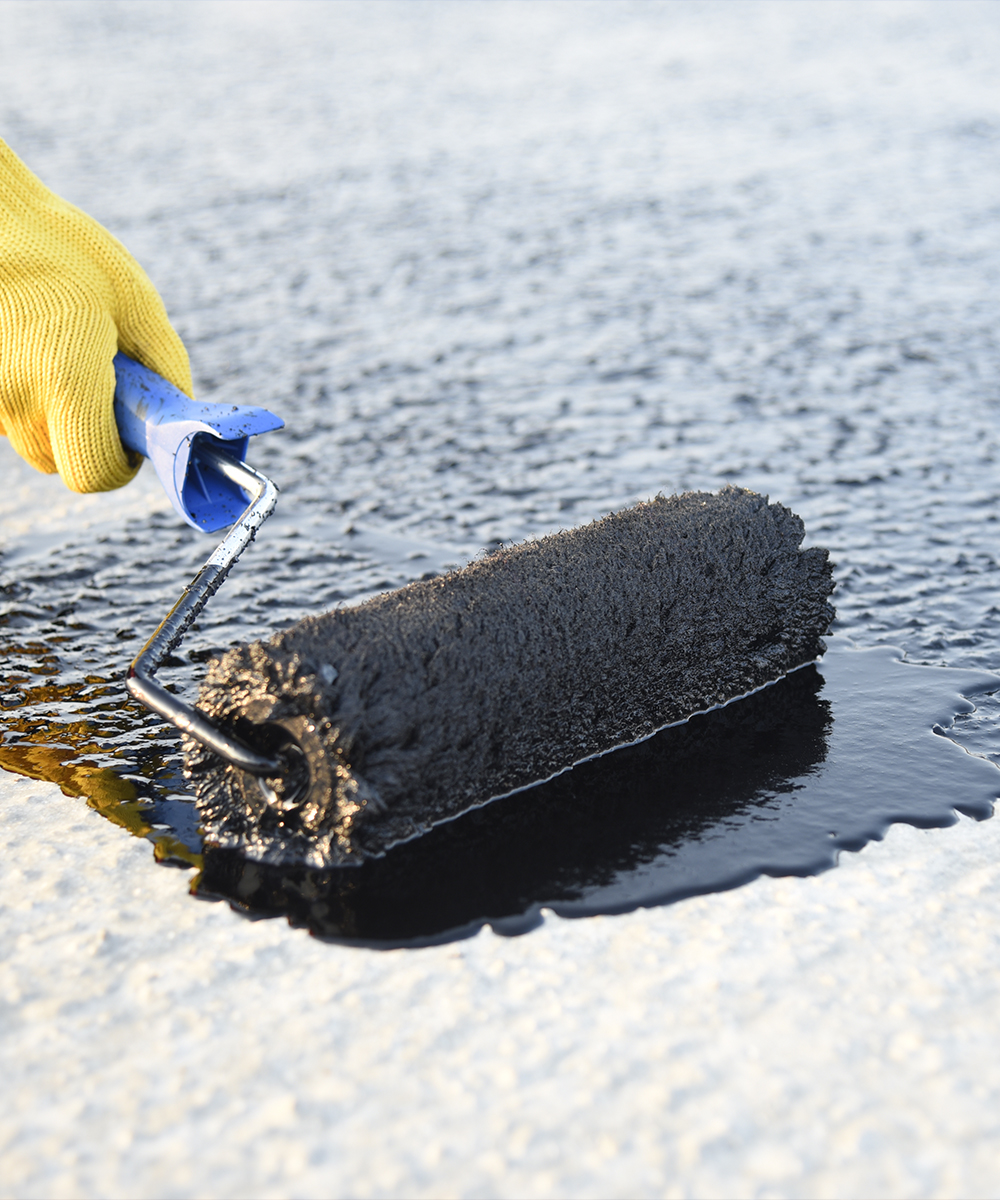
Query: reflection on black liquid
609, 835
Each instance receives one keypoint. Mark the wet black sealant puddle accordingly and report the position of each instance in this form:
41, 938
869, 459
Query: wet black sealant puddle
775, 784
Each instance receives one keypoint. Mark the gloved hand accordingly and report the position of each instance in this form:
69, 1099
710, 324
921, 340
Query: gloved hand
71, 295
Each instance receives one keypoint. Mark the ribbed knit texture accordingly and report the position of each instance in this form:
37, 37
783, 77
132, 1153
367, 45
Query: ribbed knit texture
71, 295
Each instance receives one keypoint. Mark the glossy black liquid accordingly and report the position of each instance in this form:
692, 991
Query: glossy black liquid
776, 783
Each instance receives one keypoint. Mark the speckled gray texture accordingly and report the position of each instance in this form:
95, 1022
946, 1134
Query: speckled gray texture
823, 1037
426, 701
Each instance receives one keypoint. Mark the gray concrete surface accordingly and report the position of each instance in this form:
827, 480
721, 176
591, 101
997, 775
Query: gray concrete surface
830, 1036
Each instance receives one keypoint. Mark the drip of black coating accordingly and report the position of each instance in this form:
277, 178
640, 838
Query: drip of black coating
425, 702
561, 844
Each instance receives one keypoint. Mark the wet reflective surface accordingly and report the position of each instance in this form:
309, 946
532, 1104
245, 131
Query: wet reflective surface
776, 783
497, 282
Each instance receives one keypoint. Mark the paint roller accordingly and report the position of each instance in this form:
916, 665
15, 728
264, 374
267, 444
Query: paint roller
361, 728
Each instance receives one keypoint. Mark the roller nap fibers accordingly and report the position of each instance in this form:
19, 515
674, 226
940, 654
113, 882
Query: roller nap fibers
424, 702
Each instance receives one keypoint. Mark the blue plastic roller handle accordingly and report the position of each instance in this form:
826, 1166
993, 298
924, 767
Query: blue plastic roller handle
158, 421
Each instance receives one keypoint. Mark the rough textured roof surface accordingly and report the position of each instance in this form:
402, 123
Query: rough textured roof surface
429, 700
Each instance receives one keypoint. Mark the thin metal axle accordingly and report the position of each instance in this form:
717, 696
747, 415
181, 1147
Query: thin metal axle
263, 496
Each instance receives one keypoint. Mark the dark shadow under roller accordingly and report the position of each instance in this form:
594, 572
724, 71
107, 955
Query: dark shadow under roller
422, 703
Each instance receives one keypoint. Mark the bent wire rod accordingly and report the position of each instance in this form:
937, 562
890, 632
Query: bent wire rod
140, 683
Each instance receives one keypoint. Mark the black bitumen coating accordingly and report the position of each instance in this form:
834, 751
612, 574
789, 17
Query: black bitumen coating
427, 701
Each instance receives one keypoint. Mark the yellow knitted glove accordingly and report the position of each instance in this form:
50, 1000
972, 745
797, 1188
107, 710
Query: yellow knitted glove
71, 295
